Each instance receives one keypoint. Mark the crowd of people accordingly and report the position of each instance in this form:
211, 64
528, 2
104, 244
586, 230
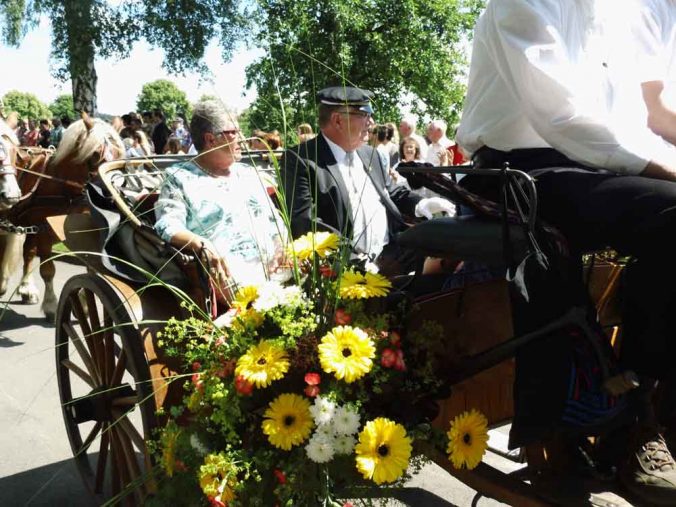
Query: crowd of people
43, 133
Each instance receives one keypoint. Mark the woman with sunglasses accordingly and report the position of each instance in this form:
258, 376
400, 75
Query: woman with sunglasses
218, 208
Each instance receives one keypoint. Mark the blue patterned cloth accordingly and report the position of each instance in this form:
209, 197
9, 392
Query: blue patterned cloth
233, 212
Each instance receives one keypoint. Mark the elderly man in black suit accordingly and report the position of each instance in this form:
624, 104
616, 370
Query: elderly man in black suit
336, 182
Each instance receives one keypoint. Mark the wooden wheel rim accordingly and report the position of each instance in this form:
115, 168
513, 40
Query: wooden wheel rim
108, 348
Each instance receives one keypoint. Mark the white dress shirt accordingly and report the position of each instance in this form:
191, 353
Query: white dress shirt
369, 216
659, 45
562, 74
434, 149
422, 143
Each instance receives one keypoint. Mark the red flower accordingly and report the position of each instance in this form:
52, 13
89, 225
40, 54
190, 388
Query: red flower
312, 379
226, 369
196, 366
388, 358
383, 334
311, 391
197, 382
243, 386
326, 271
279, 475
180, 466
399, 364
348, 504
342, 318
395, 339
216, 502
220, 341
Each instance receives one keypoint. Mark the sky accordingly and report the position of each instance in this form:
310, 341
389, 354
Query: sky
120, 82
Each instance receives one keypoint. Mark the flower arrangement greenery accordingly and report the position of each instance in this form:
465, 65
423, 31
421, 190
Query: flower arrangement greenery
303, 390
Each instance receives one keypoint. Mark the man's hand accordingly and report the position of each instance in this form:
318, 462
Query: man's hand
659, 171
433, 205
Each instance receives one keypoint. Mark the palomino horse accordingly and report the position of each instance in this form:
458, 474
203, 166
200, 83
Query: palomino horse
52, 186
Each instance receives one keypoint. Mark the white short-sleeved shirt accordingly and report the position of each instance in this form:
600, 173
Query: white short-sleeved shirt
564, 74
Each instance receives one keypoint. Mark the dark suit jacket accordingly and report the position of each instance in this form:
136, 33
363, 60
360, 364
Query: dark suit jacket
316, 195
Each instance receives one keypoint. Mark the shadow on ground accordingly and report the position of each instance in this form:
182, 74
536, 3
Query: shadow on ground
10, 319
54, 485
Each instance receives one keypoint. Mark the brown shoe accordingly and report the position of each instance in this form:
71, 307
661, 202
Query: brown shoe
650, 471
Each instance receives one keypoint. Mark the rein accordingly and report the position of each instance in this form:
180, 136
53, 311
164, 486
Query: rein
72, 183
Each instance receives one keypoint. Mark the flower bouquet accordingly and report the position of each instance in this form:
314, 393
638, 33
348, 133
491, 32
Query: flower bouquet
302, 393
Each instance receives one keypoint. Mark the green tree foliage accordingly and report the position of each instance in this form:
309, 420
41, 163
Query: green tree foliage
63, 106
27, 105
165, 95
404, 51
85, 29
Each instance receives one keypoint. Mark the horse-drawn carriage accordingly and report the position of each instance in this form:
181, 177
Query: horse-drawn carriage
117, 385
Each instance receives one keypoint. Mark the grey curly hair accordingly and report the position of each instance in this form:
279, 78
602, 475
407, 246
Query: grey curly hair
209, 116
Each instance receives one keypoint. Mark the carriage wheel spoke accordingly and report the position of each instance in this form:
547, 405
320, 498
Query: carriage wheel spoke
89, 336
97, 336
102, 462
82, 350
118, 372
115, 462
90, 438
79, 372
109, 347
126, 425
126, 460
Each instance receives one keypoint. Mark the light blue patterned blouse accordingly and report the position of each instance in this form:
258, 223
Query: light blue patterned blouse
233, 212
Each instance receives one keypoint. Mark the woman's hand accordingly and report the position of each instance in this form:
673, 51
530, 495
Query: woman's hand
218, 269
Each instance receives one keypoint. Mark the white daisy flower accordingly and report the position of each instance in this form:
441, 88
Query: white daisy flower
345, 421
320, 449
197, 444
322, 410
344, 444
270, 294
325, 430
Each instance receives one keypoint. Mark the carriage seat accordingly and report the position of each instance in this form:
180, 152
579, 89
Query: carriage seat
465, 237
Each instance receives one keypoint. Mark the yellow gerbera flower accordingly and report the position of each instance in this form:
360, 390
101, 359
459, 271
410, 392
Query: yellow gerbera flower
244, 297
218, 477
354, 285
467, 439
347, 352
383, 450
288, 421
322, 243
263, 363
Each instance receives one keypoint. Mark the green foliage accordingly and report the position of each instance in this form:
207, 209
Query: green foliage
63, 106
26, 104
165, 95
408, 51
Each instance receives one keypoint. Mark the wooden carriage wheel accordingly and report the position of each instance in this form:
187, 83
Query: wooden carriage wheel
105, 389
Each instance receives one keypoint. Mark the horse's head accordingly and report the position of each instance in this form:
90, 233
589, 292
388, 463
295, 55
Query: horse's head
9, 188
85, 145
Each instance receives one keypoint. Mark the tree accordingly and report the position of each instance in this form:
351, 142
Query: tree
26, 104
165, 95
406, 52
63, 106
85, 29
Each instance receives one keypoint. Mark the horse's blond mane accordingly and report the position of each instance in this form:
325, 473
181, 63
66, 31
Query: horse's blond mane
79, 144
5, 131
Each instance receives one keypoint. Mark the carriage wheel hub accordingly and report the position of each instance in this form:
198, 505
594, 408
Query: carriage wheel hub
96, 405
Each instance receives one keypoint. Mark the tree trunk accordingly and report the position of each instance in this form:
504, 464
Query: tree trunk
81, 51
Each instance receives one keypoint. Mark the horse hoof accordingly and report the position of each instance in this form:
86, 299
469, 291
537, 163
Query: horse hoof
50, 317
29, 299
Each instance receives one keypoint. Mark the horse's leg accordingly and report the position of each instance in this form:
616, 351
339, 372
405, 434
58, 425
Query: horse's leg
47, 271
27, 289
10, 250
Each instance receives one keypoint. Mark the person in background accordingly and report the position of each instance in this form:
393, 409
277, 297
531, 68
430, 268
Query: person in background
12, 120
161, 131
304, 132
32, 134
407, 128
44, 137
392, 143
174, 146
437, 151
117, 123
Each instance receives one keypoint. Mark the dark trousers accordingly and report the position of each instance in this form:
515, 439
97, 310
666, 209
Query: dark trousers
636, 216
